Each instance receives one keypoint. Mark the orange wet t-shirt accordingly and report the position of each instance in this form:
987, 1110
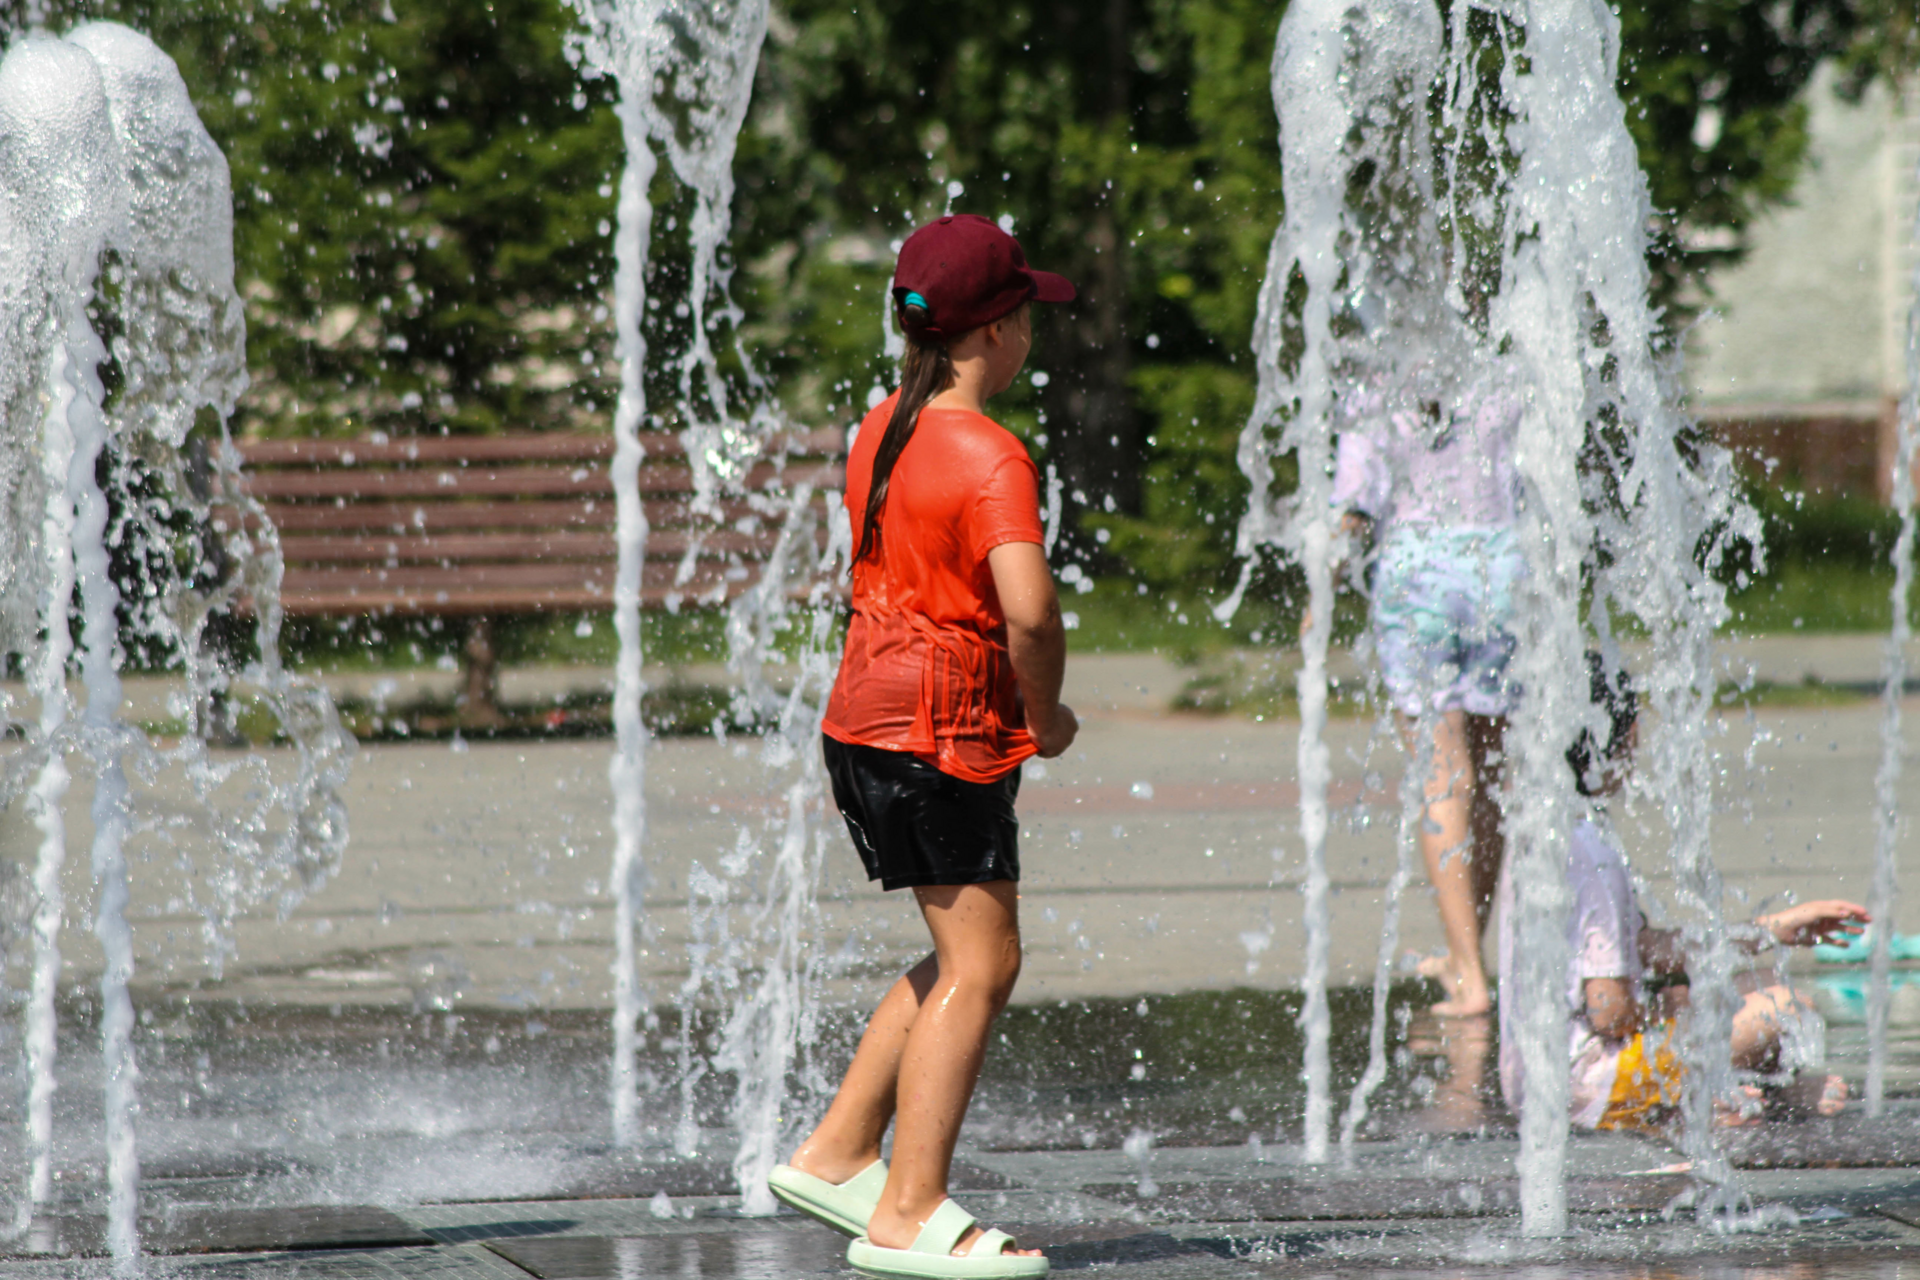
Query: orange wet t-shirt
926, 668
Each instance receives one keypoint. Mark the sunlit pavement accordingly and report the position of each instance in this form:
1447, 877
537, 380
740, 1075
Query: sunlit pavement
1159, 855
1396, 1209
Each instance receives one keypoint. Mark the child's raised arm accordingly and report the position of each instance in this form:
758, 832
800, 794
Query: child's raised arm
1830, 920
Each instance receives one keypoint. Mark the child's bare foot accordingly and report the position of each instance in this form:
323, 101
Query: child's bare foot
1808, 1095
1744, 1115
1467, 996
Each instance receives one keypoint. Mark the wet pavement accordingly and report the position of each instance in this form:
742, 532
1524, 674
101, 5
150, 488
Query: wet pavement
383, 1143
1440, 1202
406, 1076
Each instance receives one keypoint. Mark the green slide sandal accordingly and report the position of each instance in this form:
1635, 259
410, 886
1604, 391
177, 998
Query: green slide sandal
845, 1206
931, 1255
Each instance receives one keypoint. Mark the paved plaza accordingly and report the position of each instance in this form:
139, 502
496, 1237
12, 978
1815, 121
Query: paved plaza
1210, 1213
1161, 857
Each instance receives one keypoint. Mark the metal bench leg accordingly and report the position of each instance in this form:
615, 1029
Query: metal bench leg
479, 701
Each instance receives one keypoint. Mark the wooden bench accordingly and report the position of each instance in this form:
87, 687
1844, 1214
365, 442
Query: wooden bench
483, 527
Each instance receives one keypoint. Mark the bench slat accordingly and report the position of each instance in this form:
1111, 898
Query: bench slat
462, 482
551, 546
492, 601
425, 587
553, 446
410, 518
510, 524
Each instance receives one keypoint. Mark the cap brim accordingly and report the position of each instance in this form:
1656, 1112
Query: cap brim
1048, 287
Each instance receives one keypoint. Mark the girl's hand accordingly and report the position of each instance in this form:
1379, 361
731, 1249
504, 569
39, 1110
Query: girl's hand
1057, 734
1812, 922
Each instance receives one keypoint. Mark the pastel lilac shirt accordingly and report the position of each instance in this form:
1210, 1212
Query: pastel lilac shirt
1603, 941
1456, 471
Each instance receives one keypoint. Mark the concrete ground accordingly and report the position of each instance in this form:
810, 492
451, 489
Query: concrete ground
1159, 855
1186, 1214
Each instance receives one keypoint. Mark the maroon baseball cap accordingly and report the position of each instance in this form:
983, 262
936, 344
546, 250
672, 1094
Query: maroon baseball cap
968, 272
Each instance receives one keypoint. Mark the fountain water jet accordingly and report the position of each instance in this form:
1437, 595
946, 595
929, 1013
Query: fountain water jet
707, 53
1334, 64
1535, 184
1892, 743
102, 154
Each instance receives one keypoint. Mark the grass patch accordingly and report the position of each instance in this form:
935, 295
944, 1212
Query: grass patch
1271, 696
1118, 617
1244, 685
561, 639
1810, 694
1809, 596
678, 709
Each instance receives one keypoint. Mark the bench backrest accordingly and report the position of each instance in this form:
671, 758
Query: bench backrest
509, 524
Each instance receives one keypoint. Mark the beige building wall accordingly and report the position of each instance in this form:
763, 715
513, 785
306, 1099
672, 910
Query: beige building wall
1816, 312
1802, 355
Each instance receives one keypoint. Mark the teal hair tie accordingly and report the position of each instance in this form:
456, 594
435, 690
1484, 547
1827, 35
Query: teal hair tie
915, 300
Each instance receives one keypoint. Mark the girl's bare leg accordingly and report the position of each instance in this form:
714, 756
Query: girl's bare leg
1486, 744
1756, 1045
847, 1139
976, 941
1446, 842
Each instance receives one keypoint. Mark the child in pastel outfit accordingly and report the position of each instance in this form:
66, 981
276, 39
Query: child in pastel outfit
1429, 466
1626, 1071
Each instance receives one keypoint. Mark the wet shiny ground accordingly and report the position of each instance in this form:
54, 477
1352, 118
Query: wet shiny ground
1831, 1223
380, 1143
312, 1080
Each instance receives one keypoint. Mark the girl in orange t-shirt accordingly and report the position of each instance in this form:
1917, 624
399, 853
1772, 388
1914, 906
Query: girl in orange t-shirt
951, 678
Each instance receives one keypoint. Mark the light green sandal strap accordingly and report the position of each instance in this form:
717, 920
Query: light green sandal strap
942, 1231
868, 1183
992, 1242
846, 1207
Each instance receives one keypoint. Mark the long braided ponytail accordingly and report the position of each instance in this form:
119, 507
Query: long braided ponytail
925, 372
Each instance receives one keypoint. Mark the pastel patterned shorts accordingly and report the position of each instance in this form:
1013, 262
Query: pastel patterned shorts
1443, 603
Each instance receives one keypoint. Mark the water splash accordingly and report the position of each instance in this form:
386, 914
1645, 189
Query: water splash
686, 74
1892, 741
101, 154
771, 1028
629, 55
1138, 1147
1512, 236
1413, 789
1336, 66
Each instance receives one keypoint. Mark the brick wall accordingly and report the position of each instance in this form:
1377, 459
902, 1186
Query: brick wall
1831, 450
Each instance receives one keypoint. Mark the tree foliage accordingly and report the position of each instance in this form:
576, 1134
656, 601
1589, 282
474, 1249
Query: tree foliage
421, 196
423, 190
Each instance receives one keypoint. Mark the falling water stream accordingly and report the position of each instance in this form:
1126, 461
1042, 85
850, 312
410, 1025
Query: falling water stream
1508, 234
686, 76
1892, 741
102, 154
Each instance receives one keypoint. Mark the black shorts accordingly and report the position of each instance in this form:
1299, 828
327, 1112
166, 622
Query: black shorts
915, 825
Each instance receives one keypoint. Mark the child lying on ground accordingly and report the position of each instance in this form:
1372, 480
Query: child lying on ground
1626, 1070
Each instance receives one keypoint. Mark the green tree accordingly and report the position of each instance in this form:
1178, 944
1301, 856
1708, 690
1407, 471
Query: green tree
423, 189
1133, 144
421, 196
